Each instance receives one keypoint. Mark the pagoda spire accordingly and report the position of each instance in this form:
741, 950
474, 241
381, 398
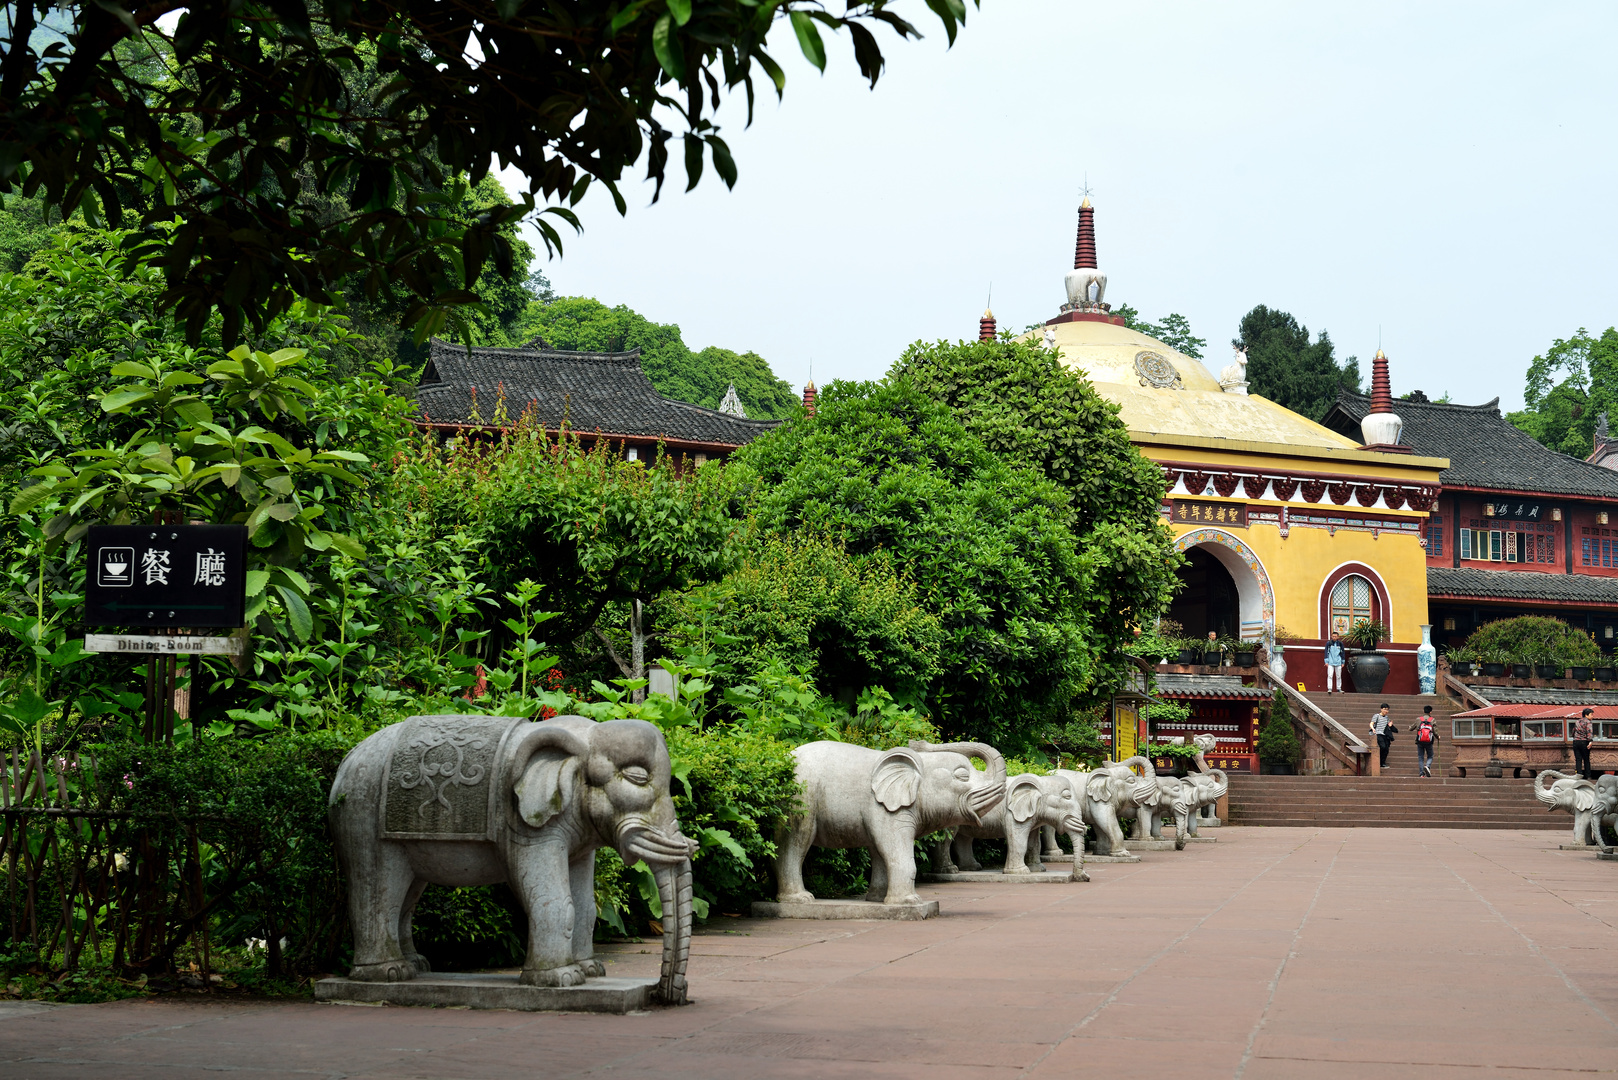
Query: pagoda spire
1084, 251
1382, 426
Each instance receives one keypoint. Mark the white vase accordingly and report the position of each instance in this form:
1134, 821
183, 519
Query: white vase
1278, 664
1427, 661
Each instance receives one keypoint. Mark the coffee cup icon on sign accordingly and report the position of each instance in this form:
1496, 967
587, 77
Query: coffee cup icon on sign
115, 567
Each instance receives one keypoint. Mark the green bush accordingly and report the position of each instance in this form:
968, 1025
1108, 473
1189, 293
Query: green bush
1278, 741
1533, 639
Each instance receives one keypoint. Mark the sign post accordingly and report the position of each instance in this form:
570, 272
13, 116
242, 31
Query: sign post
170, 576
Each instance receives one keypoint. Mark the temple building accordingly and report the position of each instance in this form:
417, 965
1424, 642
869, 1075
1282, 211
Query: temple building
1520, 529
599, 395
1287, 525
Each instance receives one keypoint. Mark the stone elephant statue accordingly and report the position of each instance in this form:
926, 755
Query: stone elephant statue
1208, 788
854, 796
1110, 793
1032, 802
474, 800
1174, 800
1592, 803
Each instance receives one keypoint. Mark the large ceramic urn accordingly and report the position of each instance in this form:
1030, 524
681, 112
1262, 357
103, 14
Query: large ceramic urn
1369, 670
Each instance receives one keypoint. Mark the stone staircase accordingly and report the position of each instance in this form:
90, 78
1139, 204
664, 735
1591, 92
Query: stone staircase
1399, 798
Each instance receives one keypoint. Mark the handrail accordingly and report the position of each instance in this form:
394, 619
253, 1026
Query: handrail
1468, 695
1352, 745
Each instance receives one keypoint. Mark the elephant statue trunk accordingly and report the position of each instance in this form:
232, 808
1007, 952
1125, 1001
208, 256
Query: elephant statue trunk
979, 800
1144, 789
674, 889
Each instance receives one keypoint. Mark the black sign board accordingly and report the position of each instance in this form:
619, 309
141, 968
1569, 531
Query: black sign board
166, 575
1191, 512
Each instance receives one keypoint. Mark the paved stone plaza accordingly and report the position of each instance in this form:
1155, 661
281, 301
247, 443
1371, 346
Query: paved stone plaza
1274, 953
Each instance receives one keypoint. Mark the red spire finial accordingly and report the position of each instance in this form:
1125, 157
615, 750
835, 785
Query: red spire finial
1084, 252
986, 326
1381, 394
809, 395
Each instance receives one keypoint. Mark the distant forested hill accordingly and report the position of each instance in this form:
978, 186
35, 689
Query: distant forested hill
578, 322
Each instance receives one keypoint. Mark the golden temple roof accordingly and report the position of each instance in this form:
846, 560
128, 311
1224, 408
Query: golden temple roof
1161, 391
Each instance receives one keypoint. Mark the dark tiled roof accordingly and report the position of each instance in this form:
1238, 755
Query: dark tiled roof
1521, 585
1537, 697
606, 392
1483, 448
1173, 685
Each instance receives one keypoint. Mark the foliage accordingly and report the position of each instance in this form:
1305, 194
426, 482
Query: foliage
1030, 409
239, 127
1184, 753
1174, 331
466, 928
1277, 741
577, 322
803, 602
1366, 634
1073, 743
1530, 639
1567, 388
1283, 366
885, 469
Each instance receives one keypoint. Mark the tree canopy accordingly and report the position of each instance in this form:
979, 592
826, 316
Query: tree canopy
1174, 331
236, 126
1030, 409
1568, 386
578, 322
1284, 366
889, 472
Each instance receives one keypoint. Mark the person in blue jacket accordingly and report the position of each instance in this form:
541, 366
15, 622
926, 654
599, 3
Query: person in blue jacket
1335, 656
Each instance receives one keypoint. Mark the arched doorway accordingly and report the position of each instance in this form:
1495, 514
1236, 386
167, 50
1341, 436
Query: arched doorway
1227, 588
1207, 599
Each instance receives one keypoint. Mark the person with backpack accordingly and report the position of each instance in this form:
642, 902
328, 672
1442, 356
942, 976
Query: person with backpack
1382, 727
1426, 740
1583, 732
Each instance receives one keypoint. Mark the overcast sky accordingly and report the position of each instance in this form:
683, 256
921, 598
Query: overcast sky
1440, 173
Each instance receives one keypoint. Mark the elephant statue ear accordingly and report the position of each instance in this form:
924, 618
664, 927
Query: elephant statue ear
546, 758
1584, 796
896, 779
1099, 786
1023, 798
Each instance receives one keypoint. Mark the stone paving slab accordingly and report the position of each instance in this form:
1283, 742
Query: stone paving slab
844, 909
1306, 952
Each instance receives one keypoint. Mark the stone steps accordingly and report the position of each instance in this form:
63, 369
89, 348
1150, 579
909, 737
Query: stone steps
1389, 802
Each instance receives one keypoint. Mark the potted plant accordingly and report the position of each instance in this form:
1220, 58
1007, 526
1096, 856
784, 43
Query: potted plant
1367, 667
1190, 652
1462, 663
1246, 653
1213, 652
1278, 746
1522, 665
1581, 673
1549, 666
1605, 671
1494, 662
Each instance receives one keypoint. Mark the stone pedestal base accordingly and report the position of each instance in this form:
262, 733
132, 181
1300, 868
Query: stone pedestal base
844, 909
1611, 856
1148, 845
1096, 858
1202, 839
997, 876
1576, 847
481, 990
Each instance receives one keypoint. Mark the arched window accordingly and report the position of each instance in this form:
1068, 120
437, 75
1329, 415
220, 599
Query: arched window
1350, 602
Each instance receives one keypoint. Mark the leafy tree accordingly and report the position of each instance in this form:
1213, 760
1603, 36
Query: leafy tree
241, 123
891, 473
1174, 331
592, 528
1283, 366
1277, 741
26, 226
1030, 409
578, 322
1568, 386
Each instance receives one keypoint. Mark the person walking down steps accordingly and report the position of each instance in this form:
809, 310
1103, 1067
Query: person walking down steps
1583, 732
1426, 740
1334, 665
1382, 727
